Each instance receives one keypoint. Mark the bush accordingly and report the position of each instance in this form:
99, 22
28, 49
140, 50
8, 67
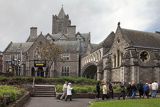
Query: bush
12, 92
78, 89
41, 80
116, 89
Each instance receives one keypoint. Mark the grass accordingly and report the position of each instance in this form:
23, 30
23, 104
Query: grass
128, 103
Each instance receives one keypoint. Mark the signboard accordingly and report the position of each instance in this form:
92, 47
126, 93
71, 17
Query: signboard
39, 63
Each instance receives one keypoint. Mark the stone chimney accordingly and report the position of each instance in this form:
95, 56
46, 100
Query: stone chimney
33, 32
71, 30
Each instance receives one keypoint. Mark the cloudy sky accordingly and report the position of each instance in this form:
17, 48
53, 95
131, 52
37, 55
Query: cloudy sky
99, 17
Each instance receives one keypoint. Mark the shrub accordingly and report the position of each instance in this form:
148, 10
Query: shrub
41, 80
13, 92
79, 89
116, 89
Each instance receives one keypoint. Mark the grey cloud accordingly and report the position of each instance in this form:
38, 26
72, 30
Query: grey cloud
99, 17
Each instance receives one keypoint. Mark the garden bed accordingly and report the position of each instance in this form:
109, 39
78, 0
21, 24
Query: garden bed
21, 101
9, 94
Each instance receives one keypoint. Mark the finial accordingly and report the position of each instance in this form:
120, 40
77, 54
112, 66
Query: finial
119, 23
62, 5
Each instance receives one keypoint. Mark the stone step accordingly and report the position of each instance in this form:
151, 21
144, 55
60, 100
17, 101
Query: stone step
37, 95
44, 91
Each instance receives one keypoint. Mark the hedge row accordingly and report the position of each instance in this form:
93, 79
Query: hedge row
40, 80
79, 89
86, 89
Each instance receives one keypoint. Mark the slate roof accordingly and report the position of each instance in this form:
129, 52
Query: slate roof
94, 46
86, 35
31, 39
68, 46
57, 36
140, 38
16, 47
106, 43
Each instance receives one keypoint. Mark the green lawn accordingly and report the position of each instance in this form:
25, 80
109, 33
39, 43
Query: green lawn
128, 103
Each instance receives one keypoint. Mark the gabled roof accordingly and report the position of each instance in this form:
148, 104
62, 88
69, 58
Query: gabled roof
17, 47
106, 43
57, 36
140, 38
61, 14
31, 39
84, 36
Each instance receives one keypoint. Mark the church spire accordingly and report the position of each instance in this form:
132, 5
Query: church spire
61, 13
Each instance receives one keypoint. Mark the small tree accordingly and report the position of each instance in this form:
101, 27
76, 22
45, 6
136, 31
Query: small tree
50, 52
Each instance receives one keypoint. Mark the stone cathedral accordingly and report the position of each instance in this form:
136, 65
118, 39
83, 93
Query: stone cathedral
124, 55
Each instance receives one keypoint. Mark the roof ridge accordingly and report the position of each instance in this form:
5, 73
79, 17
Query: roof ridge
140, 31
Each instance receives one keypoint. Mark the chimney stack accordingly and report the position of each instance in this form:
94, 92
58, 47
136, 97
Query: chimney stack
33, 32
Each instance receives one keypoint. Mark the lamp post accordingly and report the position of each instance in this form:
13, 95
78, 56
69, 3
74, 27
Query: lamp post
19, 61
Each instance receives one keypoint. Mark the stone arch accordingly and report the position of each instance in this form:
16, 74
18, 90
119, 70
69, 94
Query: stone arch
96, 56
90, 70
92, 58
99, 55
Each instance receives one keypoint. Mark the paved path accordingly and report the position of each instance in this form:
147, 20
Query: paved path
53, 102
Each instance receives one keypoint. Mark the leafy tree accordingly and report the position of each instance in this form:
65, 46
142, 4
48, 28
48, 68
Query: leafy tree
49, 52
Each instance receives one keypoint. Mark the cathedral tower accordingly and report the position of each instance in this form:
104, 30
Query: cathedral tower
60, 22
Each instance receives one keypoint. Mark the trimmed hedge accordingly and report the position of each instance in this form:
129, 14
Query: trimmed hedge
87, 88
78, 89
40, 80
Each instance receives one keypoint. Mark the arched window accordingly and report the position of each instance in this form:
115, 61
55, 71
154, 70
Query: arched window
118, 58
121, 58
114, 61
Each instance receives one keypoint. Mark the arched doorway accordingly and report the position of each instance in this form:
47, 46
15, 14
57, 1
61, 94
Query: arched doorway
90, 72
40, 72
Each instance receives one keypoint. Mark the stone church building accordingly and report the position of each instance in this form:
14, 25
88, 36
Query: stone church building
23, 58
125, 54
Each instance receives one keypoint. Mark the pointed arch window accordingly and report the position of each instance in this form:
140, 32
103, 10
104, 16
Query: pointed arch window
118, 58
114, 61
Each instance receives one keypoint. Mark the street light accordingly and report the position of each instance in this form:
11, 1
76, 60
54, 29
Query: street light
16, 64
